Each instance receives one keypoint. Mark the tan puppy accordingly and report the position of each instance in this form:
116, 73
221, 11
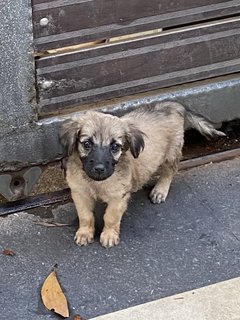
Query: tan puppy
111, 157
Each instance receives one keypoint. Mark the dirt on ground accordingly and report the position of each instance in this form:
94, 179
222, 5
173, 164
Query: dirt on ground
196, 145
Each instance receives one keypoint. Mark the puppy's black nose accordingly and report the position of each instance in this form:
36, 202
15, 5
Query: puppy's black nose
99, 168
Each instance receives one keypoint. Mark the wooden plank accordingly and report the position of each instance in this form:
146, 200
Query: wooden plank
77, 21
121, 69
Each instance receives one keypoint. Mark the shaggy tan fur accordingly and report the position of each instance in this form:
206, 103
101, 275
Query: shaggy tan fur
151, 140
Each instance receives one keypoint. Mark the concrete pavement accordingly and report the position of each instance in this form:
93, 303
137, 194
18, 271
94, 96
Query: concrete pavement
190, 241
220, 301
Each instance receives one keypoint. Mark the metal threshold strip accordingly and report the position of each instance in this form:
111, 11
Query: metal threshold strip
62, 196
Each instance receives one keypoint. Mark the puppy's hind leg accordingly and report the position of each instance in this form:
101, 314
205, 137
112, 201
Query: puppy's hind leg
84, 206
160, 191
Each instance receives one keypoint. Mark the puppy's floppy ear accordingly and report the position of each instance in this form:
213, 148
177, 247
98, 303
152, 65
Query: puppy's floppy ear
135, 140
68, 136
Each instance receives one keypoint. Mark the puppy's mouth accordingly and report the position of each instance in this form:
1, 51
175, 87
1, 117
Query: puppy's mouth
98, 177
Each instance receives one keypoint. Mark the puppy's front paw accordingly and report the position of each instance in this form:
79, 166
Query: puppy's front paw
158, 196
84, 236
109, 238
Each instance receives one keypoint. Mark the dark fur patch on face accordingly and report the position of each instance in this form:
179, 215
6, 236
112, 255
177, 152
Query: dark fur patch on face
98, 162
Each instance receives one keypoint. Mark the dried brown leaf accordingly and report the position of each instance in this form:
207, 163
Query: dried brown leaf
53, 297
8, 252
77, 317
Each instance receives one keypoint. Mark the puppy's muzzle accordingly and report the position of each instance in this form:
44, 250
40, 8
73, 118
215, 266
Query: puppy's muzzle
99, 164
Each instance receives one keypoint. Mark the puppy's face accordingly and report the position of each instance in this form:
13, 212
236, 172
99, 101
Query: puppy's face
100, 147
100, 140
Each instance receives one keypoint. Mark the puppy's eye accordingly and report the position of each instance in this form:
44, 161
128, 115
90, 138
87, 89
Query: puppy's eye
115, 147
87, 144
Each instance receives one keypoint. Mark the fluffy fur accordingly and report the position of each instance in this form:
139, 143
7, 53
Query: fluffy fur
111, 157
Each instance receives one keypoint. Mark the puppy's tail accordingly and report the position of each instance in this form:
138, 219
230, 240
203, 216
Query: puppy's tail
202, 125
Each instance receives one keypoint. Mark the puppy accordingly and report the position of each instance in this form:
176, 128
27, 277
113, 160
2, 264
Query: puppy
111, 157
